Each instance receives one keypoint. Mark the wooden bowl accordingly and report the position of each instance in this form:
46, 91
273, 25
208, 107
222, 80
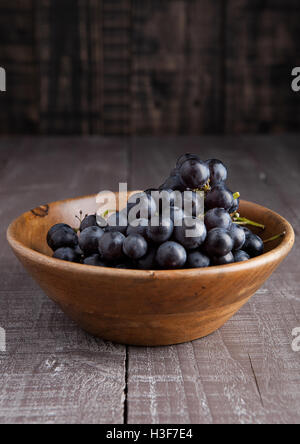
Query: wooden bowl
144, 307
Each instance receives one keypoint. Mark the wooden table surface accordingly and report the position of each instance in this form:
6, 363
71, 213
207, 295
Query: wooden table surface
53, 372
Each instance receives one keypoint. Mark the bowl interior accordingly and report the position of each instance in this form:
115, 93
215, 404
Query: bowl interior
31, 228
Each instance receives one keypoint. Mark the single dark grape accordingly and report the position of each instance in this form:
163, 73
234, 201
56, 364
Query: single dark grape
184, 158
61, 235
160, 229
89, 240
138, 227
54, 228
223, 260
191, 234
135, 246
219, 197
95, 260
171, 255
217, 218
238, 236
218, 242
240, 256
147, 262
66, 254
88, 221
111, 246
196, 259
218, 171
194, 173
254, 245
117, 222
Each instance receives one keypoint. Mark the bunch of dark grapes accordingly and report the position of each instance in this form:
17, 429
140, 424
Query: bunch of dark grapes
159, 239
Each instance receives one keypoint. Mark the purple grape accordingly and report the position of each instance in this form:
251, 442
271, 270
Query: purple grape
196, 259
217, 218
89, 240
238, 236
219, 197
61, 235
218, 242
194, 173
135, 246
171, 255
218, 171
111, 246
254, 245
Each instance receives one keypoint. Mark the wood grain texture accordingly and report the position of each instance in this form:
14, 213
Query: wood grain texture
261, 50
149, 67
246, 372
19, 105
116, 30
176, 67
53, 372
70, 56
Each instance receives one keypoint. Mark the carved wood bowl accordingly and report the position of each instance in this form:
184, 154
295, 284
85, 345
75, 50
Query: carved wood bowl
144, 307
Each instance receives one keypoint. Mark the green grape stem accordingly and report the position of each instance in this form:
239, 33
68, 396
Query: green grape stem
277, 236
244, 221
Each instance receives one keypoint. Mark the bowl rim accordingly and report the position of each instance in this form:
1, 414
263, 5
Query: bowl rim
277, 253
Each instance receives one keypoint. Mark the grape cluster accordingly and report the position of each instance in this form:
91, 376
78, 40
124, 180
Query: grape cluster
159, 239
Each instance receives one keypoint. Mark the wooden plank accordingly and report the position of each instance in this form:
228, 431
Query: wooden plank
69, 48
117, 63
177, 67
261, 50
19, 104
52, 371
246, 372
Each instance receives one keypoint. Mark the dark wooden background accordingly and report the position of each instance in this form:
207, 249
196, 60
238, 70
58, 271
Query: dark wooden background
149, 66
